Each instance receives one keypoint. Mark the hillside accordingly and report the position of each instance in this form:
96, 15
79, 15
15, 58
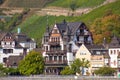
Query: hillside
57, 3
26, 3
78, 3
35, 25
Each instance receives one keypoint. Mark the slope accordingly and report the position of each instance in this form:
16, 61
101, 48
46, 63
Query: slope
36, 25
26, 3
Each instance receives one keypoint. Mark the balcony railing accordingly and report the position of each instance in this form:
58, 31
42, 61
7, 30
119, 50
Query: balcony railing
54, 43
56, 62
56, 52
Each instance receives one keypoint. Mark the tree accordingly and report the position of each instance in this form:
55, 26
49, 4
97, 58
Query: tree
2, 70
33, 63
77, 64
67, 71
73, 5
75, 67
105, 71
106, 26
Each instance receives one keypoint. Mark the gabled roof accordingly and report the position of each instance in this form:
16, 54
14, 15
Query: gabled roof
22, 38
97, 49
15, 37
93, 46
114, 43
72, 26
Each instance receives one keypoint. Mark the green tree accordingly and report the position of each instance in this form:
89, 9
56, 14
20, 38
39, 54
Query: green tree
67, 71
104, 27
75, 67
73, 5
33, 63
3, 70
79, 63
105, 71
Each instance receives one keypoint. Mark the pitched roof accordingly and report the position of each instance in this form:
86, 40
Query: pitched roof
114, 43
95, 46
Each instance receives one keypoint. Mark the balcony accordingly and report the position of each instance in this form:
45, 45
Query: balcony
64, 62
56, 52
54, 43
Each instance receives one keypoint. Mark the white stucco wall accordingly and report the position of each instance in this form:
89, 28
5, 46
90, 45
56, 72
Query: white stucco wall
113, 53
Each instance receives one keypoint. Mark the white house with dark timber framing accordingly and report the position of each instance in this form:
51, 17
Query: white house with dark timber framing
14, 44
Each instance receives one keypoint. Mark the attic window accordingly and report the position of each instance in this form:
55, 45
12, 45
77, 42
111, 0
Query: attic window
55, 30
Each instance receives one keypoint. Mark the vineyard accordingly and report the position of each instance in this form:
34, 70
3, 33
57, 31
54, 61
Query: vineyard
36, 25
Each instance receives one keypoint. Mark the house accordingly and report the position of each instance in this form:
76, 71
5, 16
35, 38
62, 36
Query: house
84, 53
61, 43
114, 52
14, 44
94, 54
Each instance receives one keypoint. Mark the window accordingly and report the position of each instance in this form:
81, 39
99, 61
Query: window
114, 51
55, 31
50, 58
5, 60
60, 58
111, 51
82, 53
7, 51
55, 58
64, 58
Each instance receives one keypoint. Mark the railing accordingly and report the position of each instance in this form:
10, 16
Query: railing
54, 43
56, 62
56, 51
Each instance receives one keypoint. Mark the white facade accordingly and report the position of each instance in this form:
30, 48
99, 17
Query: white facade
113, 53
12, 46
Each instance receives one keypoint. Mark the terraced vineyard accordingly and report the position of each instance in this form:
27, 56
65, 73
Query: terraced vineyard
36, 25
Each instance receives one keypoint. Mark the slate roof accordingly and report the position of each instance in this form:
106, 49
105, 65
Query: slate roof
72, 26
93, 46
115, 43
16, 37
94, 49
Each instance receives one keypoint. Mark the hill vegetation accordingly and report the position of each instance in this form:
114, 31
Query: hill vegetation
78, 3
27, 3
57, 3
36, 25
